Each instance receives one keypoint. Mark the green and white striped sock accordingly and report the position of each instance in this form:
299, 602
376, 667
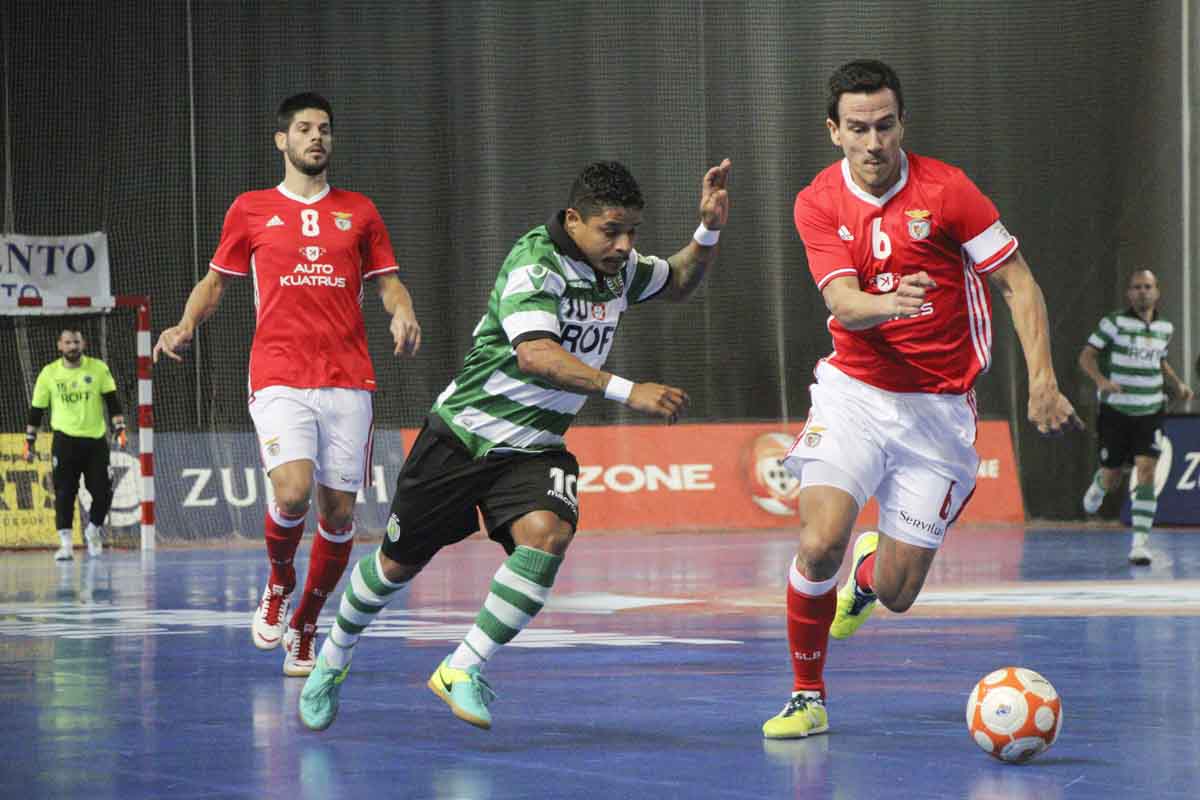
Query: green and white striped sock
367, 593
519, 590
1144, 507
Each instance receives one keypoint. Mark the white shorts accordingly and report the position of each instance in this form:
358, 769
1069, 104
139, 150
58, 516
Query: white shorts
915, 453
331, 427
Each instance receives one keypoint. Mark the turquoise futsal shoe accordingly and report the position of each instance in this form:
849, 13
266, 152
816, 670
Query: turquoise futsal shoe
319, 697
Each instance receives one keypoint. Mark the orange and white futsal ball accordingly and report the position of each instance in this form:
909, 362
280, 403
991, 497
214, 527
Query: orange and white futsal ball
1014, 714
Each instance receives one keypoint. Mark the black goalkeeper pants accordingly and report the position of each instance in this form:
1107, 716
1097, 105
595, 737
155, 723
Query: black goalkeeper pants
74, 456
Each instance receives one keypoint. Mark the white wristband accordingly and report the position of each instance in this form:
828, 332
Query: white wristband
705, 237
618, 389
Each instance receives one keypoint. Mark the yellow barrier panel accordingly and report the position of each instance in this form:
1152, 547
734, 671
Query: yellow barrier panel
27, 495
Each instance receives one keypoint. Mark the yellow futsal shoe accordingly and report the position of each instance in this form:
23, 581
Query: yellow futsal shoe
465, 691
804, 715
853, 604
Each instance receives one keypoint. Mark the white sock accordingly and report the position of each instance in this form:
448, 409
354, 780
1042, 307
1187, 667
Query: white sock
92, 531
65, 537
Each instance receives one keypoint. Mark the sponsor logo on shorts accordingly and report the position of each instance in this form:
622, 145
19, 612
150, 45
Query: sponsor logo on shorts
393, 528
919, 524
885, 282
562, 498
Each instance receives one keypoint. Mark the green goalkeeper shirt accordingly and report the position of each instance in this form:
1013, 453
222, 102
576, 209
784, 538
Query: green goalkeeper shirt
545, 289
73, 396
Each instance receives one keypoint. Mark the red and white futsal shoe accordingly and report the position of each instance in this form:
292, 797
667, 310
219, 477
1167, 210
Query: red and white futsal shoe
270, 618
301, 651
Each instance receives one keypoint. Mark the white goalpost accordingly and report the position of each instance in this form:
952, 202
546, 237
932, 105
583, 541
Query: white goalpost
32, 307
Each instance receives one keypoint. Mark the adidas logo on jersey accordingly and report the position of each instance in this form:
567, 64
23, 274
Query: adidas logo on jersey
844, 234
275, 220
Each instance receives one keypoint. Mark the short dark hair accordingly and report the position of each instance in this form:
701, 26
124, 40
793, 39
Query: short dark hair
1138, 271
604, 184
864, 76
297, 103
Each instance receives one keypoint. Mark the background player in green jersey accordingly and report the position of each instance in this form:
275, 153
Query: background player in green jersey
493, 442
1126, 357
77, 389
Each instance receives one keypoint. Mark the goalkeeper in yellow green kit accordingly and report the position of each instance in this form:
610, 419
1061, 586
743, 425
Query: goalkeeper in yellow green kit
77, 389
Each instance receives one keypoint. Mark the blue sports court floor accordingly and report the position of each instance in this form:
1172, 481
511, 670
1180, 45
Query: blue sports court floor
133, 676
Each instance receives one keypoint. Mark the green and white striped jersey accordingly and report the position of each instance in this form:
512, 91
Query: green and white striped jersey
1131, 355
545, 289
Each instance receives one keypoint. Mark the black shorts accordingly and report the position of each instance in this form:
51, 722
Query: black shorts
1123, 436
441, 485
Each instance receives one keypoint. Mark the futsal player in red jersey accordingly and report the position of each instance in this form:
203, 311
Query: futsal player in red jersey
902, 248
309, 248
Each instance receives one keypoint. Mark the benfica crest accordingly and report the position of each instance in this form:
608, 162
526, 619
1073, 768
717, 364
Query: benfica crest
919, 224
342, 220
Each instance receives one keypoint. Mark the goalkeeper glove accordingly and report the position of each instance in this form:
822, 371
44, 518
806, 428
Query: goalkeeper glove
119, 435
30, 441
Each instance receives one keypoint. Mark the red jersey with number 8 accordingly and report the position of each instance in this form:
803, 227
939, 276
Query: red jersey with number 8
934, 219
308, 258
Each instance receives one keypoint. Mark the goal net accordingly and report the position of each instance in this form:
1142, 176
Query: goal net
119, 335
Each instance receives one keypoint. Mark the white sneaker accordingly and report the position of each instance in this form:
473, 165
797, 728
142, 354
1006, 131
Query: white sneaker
1093, 497
301, 655
1139, 554
270, 618
64, 553
94, 543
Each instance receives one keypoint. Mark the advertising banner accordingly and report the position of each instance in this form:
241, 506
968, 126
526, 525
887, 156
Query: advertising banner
208, 486
52, 268
1177, 476
728, 476
632, 477
27, 495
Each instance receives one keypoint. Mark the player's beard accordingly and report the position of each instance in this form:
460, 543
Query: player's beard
307, 167
73, 356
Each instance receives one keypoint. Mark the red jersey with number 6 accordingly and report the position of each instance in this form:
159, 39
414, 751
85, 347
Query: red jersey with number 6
309, 258
934, 219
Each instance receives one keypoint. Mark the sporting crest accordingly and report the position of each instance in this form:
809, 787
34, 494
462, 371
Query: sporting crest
615, 283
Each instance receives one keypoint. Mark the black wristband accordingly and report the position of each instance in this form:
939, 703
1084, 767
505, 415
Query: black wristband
30, 437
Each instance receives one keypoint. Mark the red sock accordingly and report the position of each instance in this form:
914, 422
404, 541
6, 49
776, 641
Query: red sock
282, 541
865, 574
808, 621
326, 563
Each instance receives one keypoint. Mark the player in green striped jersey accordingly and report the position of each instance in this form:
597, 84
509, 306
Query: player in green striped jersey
1126, 357
493, 442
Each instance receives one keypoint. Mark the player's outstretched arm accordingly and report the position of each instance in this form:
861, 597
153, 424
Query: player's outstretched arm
857, 310
406, 331
689, 264
201, 303
1049, 410
546, 359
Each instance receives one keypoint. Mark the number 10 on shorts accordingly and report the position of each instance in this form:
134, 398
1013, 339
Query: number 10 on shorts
564, 484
